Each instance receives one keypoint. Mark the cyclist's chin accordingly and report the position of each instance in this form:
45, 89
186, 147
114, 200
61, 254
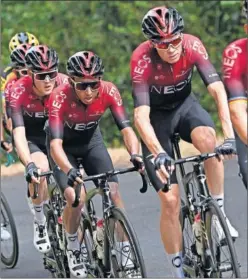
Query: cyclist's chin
87, 101
173, 59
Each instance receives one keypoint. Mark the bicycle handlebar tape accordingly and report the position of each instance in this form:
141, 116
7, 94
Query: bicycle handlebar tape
167, 186
144, 187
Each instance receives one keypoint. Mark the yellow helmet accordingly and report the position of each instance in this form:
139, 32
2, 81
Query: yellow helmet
22, 38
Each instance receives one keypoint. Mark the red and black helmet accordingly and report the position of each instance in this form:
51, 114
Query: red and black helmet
85, 64
161, 23
17, 56
41, 58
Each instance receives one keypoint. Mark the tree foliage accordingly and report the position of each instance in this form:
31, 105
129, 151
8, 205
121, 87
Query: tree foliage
113, 30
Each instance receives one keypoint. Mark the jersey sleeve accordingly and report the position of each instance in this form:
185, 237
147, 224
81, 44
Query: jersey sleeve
56, 111
203, 64
232, 74
16, 99
117, 108
8, 86
140, 69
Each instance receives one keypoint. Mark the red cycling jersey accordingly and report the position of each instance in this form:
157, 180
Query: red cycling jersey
7, 88
159, 84
72, 121
235, 70
29, 110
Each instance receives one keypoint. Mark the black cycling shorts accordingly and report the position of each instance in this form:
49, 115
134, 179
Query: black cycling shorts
94, 155
36, 147
183, 120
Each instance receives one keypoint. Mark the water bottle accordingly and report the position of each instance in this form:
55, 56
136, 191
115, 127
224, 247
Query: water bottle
98, 237
51, 184
197, 230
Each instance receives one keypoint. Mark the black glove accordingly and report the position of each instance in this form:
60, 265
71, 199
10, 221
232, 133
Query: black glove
137, 164
228, 147
31, 170
72, 175
163, 159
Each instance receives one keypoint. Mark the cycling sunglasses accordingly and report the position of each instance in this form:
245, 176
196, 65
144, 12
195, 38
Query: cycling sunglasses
81, 86
165, 45
42, 76
22, 72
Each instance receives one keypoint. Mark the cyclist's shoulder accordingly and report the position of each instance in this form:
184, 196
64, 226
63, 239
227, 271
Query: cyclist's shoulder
62, 79
23, 84
62, 91
238, 46
109, 91
144, 49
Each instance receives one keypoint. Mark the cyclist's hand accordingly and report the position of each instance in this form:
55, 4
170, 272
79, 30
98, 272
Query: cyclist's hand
32, 173
74, 177
138, 162
227, 149
7, 146
163, 166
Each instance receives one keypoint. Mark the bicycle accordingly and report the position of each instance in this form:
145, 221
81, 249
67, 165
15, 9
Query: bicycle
8, 258
99, 267
201, 220
107, 253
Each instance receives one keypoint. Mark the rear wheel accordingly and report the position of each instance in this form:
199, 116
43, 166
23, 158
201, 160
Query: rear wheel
124, 249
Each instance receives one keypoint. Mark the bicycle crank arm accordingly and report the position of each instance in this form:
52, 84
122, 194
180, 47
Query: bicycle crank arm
189, 270
225, 267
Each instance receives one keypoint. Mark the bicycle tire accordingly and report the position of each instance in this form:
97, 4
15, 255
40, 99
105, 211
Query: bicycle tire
213, 207
94, 266
120, 216
13, 259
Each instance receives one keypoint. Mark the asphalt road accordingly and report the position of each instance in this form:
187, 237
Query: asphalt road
143, 210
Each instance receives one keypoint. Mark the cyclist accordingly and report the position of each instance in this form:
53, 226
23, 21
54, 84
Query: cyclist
29, 106
235, 72
75, 110
16, 40
161, 72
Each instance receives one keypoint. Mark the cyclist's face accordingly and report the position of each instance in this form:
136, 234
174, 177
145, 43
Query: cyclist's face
44, 86
172, 53
86, 89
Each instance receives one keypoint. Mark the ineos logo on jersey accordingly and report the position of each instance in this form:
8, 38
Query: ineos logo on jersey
171, 89
17, 91
197, 46
57, 103
231, 54
34, 114
114, 93
81, 126
142, 64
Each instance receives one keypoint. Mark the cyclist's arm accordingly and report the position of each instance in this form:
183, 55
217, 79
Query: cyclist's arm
2, 130
239, 116
145, 129
217, 90
56, 129
19, 133
214, 85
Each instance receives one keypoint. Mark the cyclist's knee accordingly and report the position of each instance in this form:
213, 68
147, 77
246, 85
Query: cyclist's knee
170, 203
114, 190
69, 195
204, 139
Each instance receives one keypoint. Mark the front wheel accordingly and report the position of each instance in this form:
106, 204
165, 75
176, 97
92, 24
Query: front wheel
220, 242
124, 250
9, 256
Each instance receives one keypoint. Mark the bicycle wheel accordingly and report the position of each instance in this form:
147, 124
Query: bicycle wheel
221, 244
7, 221
124, 249
88, 248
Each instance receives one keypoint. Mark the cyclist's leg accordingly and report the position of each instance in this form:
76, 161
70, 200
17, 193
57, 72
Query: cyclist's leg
164, 124
242, 159
71, 217
41, 240
197, 127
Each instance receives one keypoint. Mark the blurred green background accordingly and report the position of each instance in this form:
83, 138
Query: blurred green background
112, 29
